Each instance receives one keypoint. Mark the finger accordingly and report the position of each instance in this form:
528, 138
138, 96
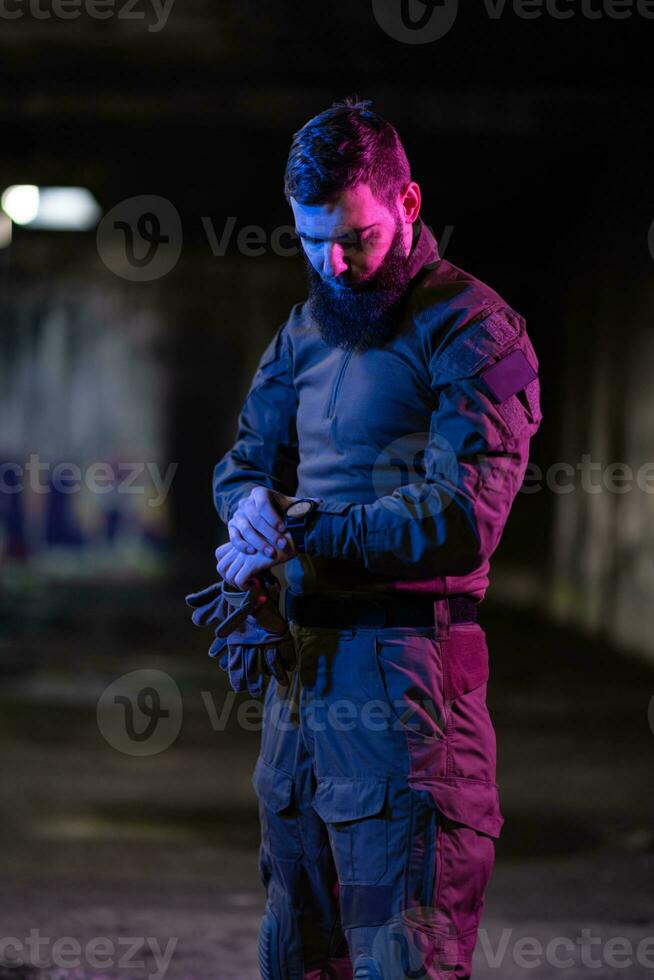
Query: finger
243, 575
268, 524
267, 506
239, 542
229, 565
240, 572
223, 551
223, 563
240, 529
279, 542
254, 672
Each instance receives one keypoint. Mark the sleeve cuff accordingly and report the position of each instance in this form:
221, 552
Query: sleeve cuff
328, 533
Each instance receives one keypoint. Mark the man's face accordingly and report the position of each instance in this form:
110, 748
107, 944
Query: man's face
356, 251
347, 239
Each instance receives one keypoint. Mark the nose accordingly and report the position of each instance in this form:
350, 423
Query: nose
334, 262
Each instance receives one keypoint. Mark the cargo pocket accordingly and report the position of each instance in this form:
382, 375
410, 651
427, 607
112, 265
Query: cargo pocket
469, 819
279, 830
354, 811
272, 786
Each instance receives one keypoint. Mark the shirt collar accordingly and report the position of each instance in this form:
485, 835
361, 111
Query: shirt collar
424, 250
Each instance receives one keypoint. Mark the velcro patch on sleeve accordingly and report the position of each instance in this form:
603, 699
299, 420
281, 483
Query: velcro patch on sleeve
509, 375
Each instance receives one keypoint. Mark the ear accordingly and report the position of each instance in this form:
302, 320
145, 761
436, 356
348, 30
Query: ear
410, 202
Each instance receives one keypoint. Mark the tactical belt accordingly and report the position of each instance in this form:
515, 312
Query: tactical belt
350, 612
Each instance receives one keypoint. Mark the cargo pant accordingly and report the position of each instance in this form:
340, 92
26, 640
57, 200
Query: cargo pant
378, 804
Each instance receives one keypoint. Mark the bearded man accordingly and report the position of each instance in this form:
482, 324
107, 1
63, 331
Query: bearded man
378, 453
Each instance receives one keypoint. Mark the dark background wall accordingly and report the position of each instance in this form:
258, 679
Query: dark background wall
531, 139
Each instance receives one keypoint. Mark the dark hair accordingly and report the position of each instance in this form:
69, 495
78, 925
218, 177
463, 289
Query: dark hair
346, 145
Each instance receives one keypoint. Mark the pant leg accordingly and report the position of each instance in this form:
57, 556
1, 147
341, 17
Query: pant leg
300, 936
404, 757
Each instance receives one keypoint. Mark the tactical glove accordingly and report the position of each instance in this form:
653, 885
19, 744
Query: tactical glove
252, 637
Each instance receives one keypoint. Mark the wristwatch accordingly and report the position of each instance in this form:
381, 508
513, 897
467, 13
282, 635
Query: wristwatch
297, 518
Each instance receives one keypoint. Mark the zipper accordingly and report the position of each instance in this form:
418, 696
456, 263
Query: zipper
331, 407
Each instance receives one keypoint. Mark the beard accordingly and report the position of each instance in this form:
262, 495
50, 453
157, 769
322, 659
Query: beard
367, 315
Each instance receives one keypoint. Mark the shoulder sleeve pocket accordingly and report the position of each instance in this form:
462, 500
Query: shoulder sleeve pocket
513, 384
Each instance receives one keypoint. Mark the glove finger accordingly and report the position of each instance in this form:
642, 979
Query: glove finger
204, 597
217, 647
206, 615
275, 667
254, 670
231, 619
236, 668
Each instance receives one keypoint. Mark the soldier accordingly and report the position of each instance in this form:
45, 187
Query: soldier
379, 450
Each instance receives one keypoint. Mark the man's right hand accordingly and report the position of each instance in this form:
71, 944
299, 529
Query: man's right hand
258, 524
237, 568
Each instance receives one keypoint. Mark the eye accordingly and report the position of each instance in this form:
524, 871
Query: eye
370, 241
351, 243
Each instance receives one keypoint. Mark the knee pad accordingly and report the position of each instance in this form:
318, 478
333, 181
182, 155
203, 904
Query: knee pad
280, 956
270, 965
366, 968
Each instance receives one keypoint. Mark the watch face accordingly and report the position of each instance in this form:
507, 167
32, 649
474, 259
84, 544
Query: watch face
300, 509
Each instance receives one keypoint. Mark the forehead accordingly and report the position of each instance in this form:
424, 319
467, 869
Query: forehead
354, 208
